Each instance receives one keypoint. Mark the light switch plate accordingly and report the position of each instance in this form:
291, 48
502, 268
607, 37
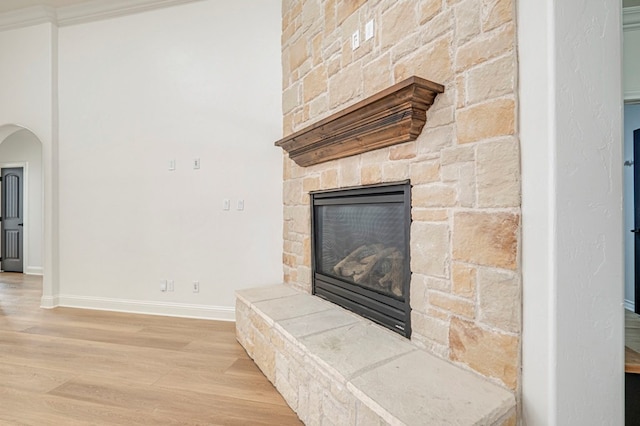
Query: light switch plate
355, 40
368, 30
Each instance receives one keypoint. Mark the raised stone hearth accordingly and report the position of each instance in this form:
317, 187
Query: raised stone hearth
334, 367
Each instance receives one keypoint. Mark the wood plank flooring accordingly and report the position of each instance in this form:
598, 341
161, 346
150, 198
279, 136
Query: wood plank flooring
81, 367
632, 342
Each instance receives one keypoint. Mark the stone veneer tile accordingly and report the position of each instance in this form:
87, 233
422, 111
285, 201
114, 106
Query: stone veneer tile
491, 80
435, 63
485, 46
499, 173
429, 248
429, 9
318, 322
491, 353
486, 238
292, 306
496, 13
499, 298
258, 294
487, 120
430, 389
467, 15
353, 348
429, 215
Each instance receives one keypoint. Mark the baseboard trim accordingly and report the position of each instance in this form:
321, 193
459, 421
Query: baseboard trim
632, 96
184, 310
629, 305
34, 270
49, 302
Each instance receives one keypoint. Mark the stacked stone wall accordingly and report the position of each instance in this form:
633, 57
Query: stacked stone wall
464, 167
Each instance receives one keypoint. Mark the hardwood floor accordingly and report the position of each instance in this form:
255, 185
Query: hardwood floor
73, 366
632, 342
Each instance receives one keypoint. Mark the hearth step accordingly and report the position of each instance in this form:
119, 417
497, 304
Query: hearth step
334, 367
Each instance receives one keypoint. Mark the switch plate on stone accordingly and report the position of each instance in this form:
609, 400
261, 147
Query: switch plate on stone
368, 30
355, 40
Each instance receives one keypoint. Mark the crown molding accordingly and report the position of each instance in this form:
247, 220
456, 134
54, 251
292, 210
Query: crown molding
89, 11
104, 9
26, 17
631, 18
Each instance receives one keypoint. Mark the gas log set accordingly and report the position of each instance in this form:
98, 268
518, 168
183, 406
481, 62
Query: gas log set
374, 266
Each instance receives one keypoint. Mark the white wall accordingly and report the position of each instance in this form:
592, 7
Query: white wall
27, 85
571, 135
201, 80
631, 123
631, 55
23, 147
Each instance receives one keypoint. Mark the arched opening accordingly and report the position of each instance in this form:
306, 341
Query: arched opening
21, 149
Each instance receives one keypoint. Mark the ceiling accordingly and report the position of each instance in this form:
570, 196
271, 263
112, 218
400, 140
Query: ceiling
9, 5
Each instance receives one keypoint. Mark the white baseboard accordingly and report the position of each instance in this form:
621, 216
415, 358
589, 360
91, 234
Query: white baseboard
629, 305
49, 302
185, 310
34, 270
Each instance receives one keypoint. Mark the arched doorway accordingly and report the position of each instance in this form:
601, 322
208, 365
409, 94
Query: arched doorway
21, 149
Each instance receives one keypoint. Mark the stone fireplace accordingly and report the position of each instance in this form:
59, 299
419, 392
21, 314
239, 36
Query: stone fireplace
464, 239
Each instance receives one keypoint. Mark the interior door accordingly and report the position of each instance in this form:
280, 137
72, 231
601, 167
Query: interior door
12, 219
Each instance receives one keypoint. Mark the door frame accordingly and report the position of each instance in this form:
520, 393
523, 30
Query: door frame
25, 211
636, 222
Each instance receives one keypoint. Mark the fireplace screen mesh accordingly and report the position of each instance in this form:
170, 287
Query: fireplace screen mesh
363, 244
360, 251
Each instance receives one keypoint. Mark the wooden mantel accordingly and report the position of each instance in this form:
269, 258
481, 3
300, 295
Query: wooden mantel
392, 116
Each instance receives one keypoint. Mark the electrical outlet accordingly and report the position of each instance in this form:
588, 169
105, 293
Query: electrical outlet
240, 205
172, 165
170, 286
196, 287
163, 285
226, 204
355, 40
196, 163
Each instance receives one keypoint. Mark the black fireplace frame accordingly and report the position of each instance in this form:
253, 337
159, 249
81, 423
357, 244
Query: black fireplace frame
385, 310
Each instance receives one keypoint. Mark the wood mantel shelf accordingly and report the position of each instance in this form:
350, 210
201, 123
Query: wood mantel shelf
393, 116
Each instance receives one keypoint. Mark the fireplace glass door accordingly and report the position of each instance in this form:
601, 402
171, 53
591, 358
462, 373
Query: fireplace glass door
363, 244
360, 251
